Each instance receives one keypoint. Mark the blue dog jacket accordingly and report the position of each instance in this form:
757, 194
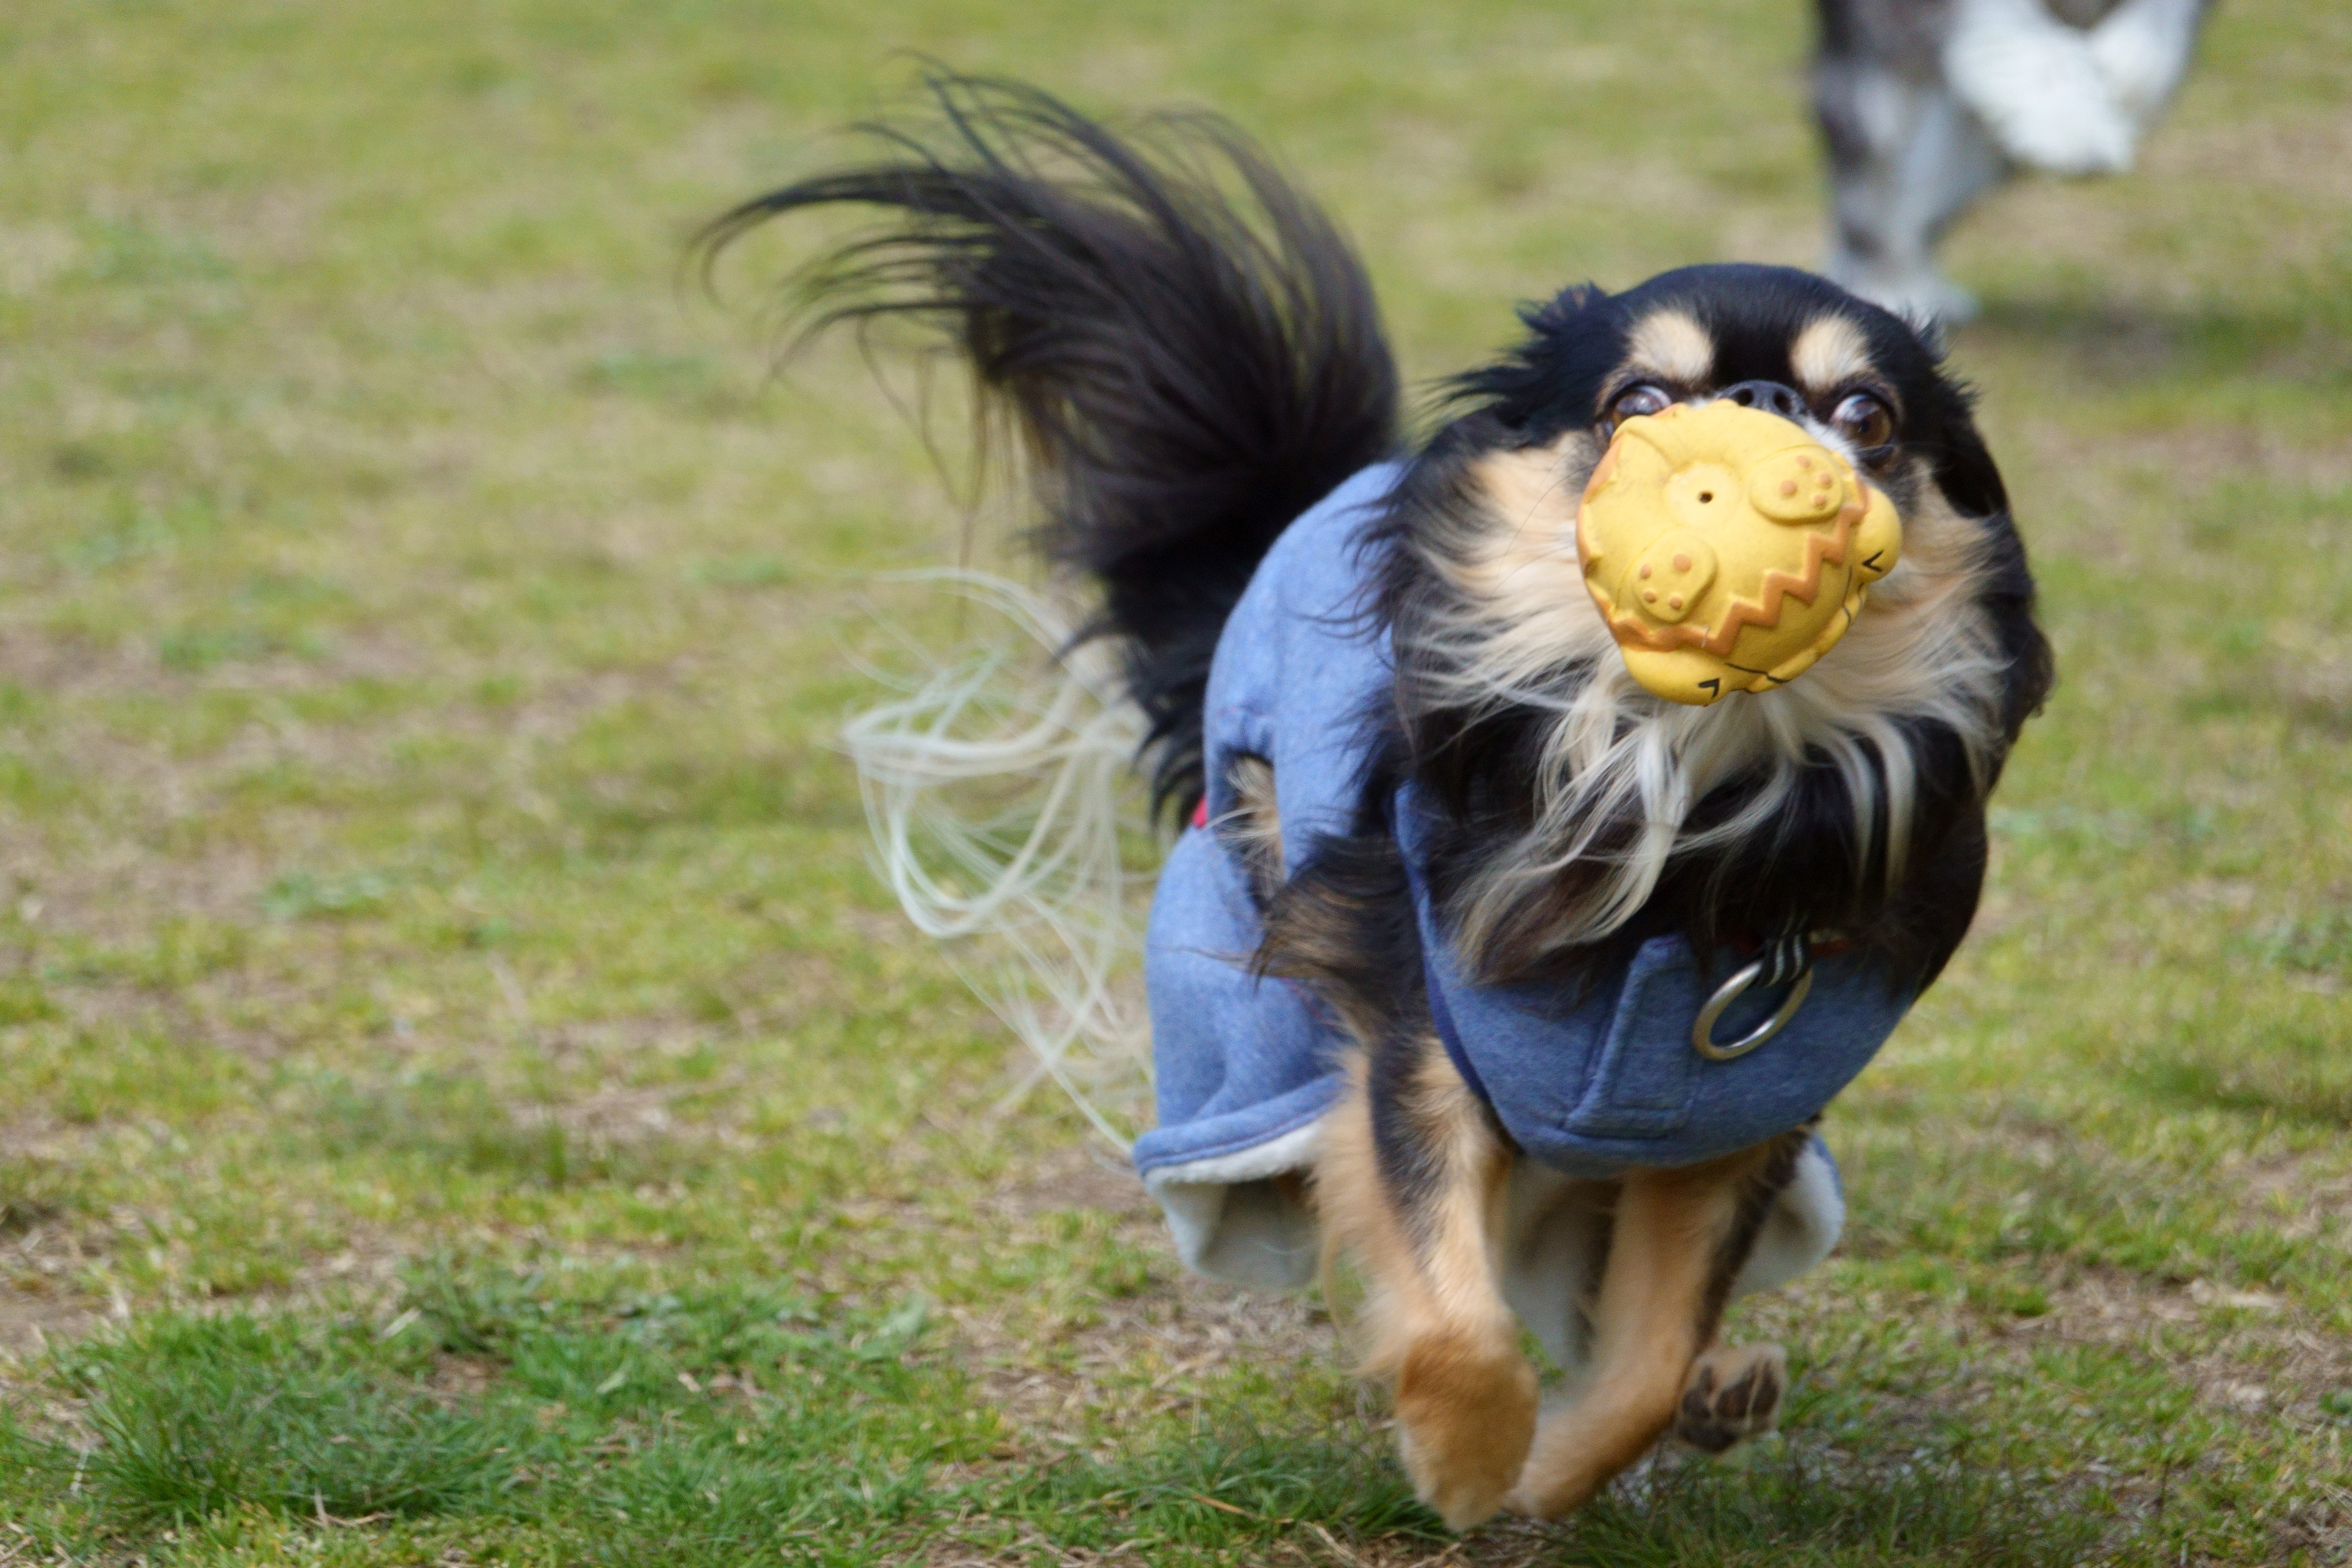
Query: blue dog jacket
1588, 1086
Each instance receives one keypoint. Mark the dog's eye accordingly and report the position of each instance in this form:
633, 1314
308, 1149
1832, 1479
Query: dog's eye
1635, 401
1863, 420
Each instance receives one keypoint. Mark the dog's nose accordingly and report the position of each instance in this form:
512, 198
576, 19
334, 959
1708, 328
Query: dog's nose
1768, 396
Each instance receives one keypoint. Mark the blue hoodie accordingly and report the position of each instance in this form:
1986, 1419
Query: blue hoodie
1587, 1085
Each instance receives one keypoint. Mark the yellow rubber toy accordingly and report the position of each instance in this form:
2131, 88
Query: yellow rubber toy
1727, 549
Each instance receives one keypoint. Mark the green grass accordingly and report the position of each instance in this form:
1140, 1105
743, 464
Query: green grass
604, 1424
443, 1001
586, 1416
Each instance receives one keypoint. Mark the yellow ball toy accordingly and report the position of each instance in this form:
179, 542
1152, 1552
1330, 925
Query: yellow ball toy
1727, 549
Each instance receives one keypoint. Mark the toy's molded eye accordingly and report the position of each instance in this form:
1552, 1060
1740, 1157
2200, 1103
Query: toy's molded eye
1863, 420
1636, 400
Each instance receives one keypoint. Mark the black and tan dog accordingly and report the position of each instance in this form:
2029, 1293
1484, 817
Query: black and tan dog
1192, 360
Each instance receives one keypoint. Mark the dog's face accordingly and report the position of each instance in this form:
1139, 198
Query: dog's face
1854, 375
1855, 378
1511, 679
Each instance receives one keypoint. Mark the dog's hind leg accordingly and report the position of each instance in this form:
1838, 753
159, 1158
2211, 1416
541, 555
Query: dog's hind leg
1412, 1183
1678, 1239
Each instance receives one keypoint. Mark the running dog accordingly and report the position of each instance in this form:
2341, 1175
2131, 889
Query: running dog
1573, 800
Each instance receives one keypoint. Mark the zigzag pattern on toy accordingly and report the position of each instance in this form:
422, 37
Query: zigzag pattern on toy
1761, 611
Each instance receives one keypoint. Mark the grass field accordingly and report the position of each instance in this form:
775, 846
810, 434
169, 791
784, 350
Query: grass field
463, 1097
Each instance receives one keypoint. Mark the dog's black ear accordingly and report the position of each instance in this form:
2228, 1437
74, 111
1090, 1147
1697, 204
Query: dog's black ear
1557, 313
1945, 426
1548, 379
1964, 470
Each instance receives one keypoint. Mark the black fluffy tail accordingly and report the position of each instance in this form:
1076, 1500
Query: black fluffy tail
1188, 349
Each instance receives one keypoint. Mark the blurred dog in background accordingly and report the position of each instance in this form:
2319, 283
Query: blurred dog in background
1926, 104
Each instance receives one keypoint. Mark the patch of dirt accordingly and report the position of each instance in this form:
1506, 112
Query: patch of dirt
29, 1322
2314, 1190
2247, 1352
2307, 157
2211, 452
44, 1245
1187, 1327
2262, 1356
208, 1013
464, 1377
1506, 1545
367, 1267
1083, 1177
625, 1117
1184, 1327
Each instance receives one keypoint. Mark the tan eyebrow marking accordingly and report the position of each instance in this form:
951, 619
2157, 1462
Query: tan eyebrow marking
1671, 346
1829, 352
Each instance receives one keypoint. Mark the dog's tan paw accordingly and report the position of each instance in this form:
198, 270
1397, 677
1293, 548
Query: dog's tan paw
1465, 1414
1733, 1393
1576, 1450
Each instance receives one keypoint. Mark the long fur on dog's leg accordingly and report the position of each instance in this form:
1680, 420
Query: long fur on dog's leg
1418, 1203
1678, 1239
999, 788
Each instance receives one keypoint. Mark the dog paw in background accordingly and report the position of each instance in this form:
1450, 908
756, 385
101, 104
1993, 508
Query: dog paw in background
2143, 49
2036, 84
2068, 99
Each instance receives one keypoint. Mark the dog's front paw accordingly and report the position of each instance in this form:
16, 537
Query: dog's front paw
1733, 1393
1465, 1414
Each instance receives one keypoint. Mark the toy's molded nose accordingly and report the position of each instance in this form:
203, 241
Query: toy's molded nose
1769, 397
1797, 486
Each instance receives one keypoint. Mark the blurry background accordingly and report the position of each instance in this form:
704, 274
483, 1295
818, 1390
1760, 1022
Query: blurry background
456, 1071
